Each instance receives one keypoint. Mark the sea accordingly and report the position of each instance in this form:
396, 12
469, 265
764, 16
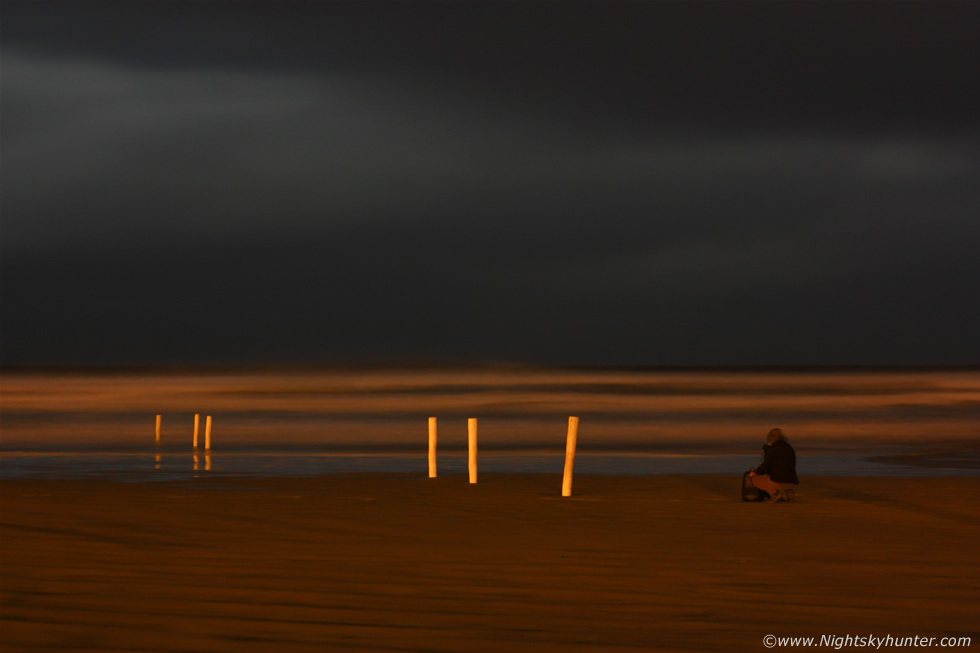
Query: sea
299, 423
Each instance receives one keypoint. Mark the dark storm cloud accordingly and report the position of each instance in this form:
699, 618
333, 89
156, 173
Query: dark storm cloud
143, 158
858, 62
599, 184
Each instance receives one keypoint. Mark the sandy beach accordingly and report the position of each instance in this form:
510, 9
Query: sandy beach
401, 562
155, 552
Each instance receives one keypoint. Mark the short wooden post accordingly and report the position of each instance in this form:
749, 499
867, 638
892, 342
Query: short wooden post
566, 483
207, 434
197, 427
159, 424
432, 447
472, 430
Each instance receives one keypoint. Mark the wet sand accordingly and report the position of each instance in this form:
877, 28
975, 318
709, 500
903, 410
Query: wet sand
397, 562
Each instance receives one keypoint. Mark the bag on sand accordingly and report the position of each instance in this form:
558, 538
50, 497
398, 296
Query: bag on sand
749, 491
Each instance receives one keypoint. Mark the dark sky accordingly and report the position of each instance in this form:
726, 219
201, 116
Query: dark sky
683, 183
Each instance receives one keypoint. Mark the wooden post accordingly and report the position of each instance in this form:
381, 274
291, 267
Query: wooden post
566, 483
159, 424
197, 427
472, 429
432, 447
207, 434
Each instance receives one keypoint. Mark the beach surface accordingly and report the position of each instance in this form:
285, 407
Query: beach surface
406, 563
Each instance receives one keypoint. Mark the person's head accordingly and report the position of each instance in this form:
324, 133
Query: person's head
774, 436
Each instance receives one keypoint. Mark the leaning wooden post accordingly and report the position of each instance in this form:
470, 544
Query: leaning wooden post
197, 427
472, 429
159, 424
566, 483
432, 447
207, 434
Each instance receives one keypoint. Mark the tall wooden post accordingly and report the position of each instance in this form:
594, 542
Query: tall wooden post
472, 440
197, 427
159, 424
207, 434
566, 483
432, 447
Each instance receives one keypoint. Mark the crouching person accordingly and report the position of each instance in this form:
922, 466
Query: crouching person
777, 473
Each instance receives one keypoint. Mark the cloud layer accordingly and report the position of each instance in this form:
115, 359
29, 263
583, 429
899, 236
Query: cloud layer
505, 203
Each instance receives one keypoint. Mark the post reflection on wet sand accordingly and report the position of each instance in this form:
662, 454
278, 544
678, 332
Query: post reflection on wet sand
197, 462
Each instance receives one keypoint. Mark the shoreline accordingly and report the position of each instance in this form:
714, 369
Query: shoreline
164, 464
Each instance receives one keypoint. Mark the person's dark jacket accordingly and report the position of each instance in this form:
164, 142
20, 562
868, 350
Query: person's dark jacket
779, 462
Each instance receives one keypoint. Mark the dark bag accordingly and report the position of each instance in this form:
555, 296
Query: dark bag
751, 492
